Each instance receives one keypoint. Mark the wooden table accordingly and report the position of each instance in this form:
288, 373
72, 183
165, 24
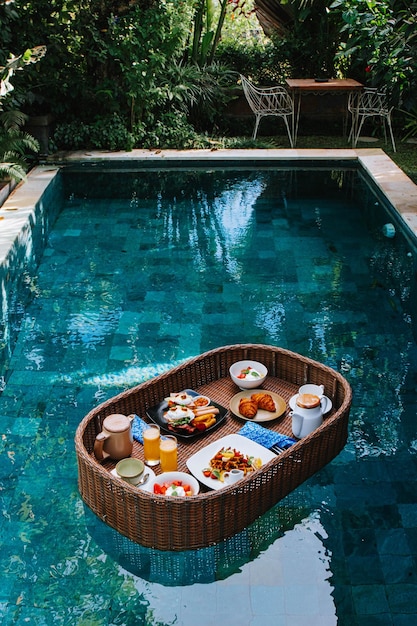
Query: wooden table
304, 86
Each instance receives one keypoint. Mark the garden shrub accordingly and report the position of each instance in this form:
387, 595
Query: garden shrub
380, 45
104, 133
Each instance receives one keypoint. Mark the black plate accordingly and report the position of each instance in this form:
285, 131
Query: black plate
156, 414
321, 80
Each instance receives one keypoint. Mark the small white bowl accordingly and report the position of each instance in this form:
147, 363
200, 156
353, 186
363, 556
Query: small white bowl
248, 383
170, 477
200, 402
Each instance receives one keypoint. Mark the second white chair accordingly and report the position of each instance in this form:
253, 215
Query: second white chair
369, 103
268, 101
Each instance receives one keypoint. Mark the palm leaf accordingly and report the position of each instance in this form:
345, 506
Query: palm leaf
16, 171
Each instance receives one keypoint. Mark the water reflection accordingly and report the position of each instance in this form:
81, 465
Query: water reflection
205, 565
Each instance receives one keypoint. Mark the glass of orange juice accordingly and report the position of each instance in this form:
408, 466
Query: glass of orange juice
168, 453
151, 436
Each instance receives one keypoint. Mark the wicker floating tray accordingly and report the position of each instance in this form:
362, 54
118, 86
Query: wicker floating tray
168, 523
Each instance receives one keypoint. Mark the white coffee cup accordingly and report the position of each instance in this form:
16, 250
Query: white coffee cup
314, 390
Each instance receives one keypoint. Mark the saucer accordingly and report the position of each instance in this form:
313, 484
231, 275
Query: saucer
293, 401
148, 470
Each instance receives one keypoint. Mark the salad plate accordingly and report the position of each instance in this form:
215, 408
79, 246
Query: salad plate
261, 415
199, 461
157, 414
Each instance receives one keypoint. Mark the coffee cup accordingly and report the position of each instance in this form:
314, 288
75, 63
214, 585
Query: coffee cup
130, 470
314, 390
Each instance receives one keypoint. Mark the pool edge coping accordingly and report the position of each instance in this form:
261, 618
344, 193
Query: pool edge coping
399, 189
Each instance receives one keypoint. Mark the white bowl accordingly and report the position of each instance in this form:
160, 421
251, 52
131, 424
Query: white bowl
248, 383
200, 402
169, 477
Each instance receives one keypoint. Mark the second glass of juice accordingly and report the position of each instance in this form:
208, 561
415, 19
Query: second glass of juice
151, 436
168, 453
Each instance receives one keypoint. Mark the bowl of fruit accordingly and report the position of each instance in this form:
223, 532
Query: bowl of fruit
248, 374
174, 484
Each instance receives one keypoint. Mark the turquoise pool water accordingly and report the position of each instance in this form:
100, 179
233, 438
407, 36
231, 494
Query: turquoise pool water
144, 269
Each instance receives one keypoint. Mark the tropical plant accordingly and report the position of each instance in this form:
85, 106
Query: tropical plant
207, 30
380, 45
14, 143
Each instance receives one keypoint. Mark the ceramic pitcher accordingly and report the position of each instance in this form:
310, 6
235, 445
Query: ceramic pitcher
307, 415
115, 440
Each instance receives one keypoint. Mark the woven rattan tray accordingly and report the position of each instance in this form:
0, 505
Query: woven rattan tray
211, 516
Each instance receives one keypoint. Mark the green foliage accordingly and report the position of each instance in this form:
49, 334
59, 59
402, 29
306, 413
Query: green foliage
207, 28
171, 130
410, 125
253, 58
104, 133
305, 46
8, 16
144, 50
152, 72
380, 45
214, 85
14, 144
102, 63
309, 41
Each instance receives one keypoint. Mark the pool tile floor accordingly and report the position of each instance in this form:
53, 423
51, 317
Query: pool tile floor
341, 550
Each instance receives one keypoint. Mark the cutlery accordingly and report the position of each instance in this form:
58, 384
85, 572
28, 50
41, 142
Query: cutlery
277, 450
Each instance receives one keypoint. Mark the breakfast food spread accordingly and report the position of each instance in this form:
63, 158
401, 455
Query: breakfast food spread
191, 417
227, 459
249, 406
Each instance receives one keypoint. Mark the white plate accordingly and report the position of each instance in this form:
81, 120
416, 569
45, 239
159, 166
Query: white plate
327, 408
201, 459
144, 487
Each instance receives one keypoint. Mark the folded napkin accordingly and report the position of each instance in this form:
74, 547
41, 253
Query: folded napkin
138, 426
265, 437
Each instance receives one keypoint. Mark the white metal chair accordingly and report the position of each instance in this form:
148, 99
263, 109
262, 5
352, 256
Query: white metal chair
369, 103
266, 101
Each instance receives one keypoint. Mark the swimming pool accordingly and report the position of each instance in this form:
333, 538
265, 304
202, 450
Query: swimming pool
162, 269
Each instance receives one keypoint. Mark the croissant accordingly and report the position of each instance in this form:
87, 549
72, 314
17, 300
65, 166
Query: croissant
248, 408
264, 401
